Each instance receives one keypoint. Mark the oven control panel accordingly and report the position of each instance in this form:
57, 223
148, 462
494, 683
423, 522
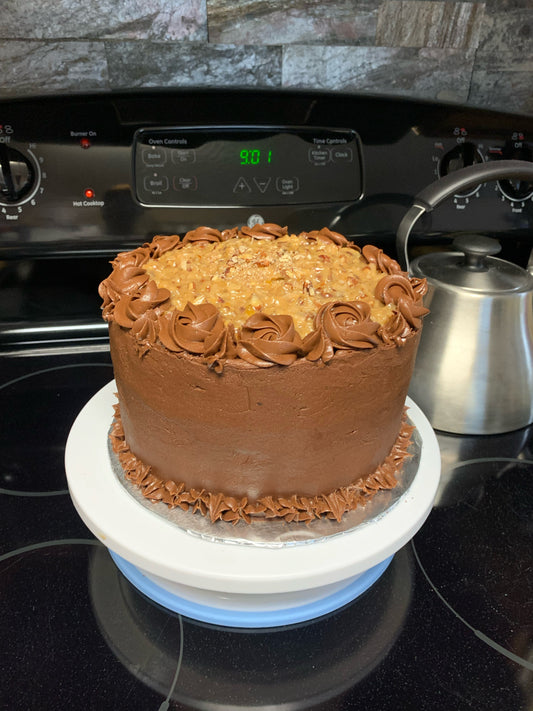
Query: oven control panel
254, 166
97, 174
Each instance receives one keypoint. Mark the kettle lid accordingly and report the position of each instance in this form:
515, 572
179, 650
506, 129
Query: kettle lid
473, 267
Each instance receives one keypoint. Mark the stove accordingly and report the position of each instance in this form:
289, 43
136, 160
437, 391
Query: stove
449, 623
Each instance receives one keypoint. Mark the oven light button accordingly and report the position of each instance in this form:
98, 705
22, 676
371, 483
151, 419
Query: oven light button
287, 186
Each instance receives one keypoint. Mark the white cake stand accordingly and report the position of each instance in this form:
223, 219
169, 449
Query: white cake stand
224, 582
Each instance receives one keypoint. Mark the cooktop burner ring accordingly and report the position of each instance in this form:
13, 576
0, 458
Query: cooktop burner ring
42, 404
473, 551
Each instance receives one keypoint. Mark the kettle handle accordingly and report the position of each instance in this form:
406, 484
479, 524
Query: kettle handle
436, 192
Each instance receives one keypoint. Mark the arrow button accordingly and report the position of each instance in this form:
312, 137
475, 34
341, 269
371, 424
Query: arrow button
262, 183
241, 186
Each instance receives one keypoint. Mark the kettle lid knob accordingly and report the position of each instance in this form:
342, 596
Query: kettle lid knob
476, 249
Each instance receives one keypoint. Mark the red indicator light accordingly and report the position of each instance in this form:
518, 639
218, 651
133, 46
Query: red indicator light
85, 143
89, 193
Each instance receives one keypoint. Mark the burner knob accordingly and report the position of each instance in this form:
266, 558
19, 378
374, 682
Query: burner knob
17, 175
462, 156
516, 189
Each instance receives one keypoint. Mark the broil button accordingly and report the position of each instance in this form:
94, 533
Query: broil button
156, 184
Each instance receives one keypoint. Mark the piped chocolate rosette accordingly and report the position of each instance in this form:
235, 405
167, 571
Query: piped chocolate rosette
265, 298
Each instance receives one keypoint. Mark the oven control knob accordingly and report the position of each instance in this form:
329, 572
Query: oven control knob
17, 175
461, 156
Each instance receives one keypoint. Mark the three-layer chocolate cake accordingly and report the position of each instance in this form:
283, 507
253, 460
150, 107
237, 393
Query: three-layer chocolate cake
261, 374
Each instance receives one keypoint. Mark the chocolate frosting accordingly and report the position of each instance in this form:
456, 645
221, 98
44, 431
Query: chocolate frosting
203, 234
188, 329
348, 324
219, 346
131, 307
317, 346
145, 330
161, 244
406, 295
383, 262
266, 231
219, 506
257, 432
326, 235
268, 340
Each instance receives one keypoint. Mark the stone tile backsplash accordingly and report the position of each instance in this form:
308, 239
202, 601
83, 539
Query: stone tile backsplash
478, 53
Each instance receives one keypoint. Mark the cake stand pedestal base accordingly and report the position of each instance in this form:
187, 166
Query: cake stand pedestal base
249, 611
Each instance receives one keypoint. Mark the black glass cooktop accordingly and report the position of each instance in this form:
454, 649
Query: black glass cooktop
448, 626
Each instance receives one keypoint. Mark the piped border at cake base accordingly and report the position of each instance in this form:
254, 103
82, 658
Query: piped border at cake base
219, 506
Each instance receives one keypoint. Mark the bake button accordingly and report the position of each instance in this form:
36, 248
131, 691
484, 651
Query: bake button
154, 157
318, 155
287, 186
342, 155
183, 155
185, 182
156, 184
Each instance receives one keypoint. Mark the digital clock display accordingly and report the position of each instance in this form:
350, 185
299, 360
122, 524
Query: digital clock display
255, 156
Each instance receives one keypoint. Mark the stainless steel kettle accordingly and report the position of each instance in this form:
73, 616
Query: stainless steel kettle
474, 369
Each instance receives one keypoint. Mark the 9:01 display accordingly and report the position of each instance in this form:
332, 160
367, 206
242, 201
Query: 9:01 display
254, 156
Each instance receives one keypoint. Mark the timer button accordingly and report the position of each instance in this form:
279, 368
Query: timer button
318, 155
